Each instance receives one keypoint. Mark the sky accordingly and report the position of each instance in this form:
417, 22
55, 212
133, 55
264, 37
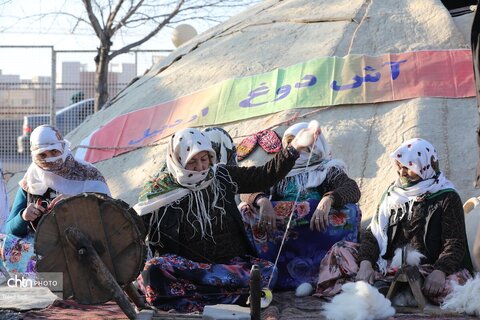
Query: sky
20, 25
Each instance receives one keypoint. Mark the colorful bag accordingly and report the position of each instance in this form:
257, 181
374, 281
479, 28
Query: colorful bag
267, 139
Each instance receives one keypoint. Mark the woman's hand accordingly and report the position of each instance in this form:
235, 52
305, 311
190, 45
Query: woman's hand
56, 200
434, 283
365, 272
267, 215
305, 138
32, 212
319, 219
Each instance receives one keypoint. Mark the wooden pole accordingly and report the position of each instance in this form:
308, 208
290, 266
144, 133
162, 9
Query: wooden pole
136, 298
255, 293
90, 259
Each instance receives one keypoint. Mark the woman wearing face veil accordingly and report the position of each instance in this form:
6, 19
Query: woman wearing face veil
420, 209
53, 172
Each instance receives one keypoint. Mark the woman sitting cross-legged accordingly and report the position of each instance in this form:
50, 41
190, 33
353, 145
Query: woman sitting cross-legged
54, 172
420, 209
316, 183
203, 255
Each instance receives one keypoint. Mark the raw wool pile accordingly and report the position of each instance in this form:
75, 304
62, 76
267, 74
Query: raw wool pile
358, 301
464, 299
413, 258
303, 290
277, 34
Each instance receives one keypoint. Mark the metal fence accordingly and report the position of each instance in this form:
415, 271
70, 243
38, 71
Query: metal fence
39, 80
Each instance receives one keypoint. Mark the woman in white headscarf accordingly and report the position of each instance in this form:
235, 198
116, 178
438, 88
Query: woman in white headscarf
422, 210
53, 172
195, 229
317, 182
315, 175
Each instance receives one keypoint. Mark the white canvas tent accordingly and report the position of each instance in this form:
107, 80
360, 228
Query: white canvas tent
277, 34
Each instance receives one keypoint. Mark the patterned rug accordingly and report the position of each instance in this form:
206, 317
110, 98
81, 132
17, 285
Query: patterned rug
286, 306
69, 309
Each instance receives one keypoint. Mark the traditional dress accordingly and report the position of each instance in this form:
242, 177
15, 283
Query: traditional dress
203, 255
44, 180
426, 215
315, 175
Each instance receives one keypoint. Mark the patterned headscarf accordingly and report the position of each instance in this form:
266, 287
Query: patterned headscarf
223, 145
63, 173
183, 146
178, 182
319, 161
421, 157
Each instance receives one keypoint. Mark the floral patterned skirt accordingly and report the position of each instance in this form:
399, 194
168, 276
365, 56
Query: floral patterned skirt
173, 282
340, 266
17, 254
303, 249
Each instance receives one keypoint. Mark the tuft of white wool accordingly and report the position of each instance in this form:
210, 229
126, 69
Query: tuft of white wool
404, 298
413, 258
464, 299
364, 303
303, 290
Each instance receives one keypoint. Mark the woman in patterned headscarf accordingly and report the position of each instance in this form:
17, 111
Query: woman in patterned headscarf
195, 229
420, 209
53, 172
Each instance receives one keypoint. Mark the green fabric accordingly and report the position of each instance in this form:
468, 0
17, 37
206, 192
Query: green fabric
161, 183
291, 191
436, 194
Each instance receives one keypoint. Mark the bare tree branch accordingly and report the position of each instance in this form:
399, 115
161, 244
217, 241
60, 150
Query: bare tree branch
113, 14
126, 48
127, 16
94, 21
109, 19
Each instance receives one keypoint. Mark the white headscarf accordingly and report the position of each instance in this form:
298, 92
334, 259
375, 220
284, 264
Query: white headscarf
319, 160
421, 157
63, 173
183, 146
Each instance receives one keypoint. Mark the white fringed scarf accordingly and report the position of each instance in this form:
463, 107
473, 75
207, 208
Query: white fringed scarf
182, 147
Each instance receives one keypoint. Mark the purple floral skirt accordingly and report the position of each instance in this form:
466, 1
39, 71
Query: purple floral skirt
340, 266
303, 249
17, 254
173, 282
